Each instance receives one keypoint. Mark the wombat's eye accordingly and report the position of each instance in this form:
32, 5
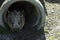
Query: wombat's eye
21, 15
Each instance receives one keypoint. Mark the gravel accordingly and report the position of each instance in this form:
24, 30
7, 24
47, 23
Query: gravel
52, 25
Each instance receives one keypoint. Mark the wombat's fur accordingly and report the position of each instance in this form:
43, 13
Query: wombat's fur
15, 19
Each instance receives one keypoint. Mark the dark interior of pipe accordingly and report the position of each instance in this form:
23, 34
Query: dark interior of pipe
29, 9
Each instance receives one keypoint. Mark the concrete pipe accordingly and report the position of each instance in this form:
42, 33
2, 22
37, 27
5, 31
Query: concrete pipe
32, 10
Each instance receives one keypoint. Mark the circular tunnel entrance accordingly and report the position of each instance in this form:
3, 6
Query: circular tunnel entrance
30, 13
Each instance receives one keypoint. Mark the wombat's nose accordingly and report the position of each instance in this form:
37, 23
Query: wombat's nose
16, 26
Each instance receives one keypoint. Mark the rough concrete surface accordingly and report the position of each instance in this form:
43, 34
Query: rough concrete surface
52, 25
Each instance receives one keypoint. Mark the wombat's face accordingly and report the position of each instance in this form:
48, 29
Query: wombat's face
16, 20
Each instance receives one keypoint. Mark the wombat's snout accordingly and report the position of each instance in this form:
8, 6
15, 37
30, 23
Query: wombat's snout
16, 26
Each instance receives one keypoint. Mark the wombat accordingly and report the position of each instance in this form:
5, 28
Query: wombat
16, 20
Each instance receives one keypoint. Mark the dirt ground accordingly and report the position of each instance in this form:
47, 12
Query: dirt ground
52, 25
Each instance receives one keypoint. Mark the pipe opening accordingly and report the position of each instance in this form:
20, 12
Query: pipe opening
30, 13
